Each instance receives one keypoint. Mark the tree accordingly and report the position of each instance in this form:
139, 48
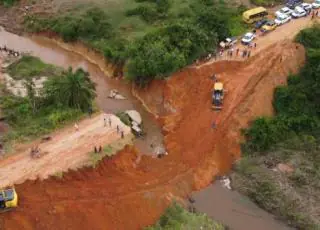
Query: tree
72, 89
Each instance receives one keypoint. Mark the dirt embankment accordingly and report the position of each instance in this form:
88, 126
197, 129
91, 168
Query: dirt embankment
122, 195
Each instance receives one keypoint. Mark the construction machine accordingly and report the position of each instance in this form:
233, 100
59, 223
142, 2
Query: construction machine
217, 95
8, 199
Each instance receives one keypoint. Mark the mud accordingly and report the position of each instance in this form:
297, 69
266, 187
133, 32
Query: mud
121, 194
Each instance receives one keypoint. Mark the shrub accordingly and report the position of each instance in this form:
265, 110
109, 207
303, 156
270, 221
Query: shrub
297, 105
29, 67
176, 217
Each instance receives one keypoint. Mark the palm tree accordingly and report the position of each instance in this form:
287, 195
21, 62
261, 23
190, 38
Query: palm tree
72, 89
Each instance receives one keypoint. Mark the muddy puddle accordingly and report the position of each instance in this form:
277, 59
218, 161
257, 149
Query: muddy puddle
51, 53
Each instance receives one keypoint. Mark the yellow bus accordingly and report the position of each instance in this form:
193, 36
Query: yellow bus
254, 15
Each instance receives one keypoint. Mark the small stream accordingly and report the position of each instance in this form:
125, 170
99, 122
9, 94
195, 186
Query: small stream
219, 203
51, 53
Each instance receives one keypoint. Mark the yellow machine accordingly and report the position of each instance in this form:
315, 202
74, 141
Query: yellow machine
254, 15
217, 96
8, 199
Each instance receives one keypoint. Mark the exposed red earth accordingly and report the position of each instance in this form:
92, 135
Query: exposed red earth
123, 194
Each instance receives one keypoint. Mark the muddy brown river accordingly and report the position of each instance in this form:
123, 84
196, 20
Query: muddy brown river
226, 206
51, 53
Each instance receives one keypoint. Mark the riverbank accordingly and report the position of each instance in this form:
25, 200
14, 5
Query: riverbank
192, 161
194, 158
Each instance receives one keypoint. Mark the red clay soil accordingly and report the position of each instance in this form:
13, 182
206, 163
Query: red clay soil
121, 195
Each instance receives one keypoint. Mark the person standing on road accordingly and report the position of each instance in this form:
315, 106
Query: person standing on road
109, 121
237, 51
90, 112
118, 129
249, 53
105, 122
255, 45
76, 126
122, 134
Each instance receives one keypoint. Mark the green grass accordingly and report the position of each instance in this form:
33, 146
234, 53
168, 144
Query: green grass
8, 3
124, 118
177, 218
109, 150
266, 2
26, 125
29, 67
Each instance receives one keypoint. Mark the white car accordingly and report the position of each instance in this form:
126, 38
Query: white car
284, 10
316, 4
247, 38
306, 6
282, 19
298, 12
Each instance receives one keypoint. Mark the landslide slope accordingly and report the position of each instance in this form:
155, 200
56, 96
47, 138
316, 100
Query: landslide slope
121, 194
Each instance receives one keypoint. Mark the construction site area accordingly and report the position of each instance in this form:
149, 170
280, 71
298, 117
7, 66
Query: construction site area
131, 189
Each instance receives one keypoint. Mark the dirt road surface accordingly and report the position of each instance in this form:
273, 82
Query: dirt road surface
119, 194
287, 32
68, 149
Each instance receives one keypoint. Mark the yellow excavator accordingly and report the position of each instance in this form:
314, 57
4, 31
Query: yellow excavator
8, 199
217, 95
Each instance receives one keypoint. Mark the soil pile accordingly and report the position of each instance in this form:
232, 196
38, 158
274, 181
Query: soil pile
120, 194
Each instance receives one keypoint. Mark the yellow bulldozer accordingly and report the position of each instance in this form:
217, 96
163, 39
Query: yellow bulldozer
8, 199
217, 95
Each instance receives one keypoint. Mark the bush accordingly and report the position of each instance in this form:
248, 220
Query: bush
29, 67
291, 137
297, 105
176, 217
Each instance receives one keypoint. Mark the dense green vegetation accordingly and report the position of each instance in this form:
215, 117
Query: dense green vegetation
21, 68
8, 3
292, 139
176, 217
297, 105
266, 2
64, 98
173, 33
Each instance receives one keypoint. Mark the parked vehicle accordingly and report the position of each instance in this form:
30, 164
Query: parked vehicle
269, 26
254, 15
248, 38
298, 12
282, 19
293, 3
316, 4
306, 6
284, 10
228, 43
260, 23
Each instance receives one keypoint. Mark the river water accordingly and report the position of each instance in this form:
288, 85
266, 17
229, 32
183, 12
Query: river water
51, 53
219, 203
